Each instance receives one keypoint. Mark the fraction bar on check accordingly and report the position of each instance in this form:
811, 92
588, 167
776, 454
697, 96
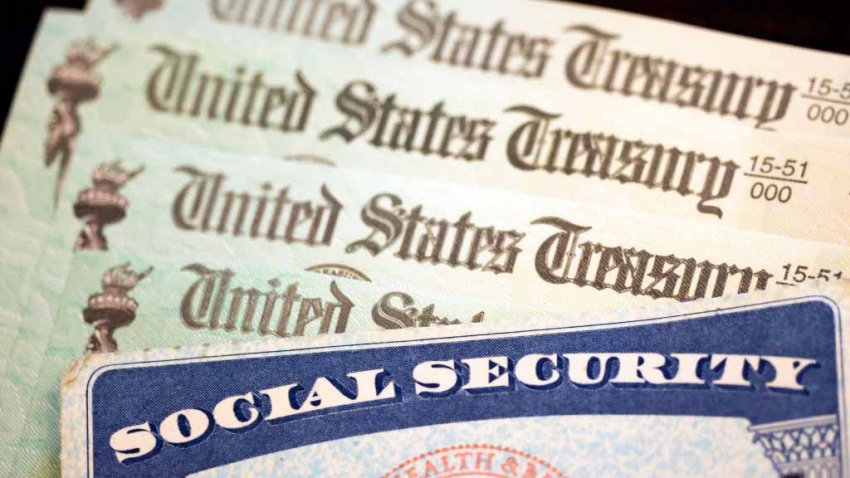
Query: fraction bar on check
774, 178
779, 282
828, 100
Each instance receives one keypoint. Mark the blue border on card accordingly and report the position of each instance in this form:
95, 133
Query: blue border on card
837, 317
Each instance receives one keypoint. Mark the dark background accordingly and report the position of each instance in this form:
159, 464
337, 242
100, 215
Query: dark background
797, 22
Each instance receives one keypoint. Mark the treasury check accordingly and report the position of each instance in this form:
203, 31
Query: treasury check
110, 305
281, 101
676, 73
173, 199
504, 248
751, 387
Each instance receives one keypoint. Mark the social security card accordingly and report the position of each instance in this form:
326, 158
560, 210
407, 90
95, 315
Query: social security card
740, 387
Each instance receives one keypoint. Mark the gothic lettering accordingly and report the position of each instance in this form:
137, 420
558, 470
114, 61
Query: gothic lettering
563, 259
179, 87
444, 38
593, 64
272, 213
214, 302
340, 21
397, 310
537, 145
414, 236
386, 123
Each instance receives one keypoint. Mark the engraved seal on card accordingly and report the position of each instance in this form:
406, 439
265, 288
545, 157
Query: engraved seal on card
102, 204
475, 460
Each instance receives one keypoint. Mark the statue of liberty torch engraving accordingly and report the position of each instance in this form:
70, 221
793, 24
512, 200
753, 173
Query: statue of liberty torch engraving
112, 308
102, 204
72, 83
135, 9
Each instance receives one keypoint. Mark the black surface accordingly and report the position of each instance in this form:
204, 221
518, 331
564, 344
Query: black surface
822, 25
18, 22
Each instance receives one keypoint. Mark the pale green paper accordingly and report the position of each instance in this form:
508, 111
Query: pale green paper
159, 323
26, 186
34, 270
818, 210
559, 22
148, 235
510, 272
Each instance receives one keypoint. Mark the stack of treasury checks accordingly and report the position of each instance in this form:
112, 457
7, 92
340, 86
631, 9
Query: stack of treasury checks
421, 238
